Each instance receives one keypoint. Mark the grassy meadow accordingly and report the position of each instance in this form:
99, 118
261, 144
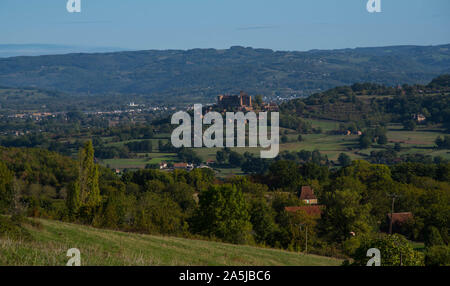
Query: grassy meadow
112, 248
419, 141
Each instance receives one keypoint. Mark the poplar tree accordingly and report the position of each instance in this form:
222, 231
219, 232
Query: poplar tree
85, 192
73, 201
88, 177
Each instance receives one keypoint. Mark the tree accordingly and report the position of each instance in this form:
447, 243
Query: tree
245, 185
284, 174
88, 176
221, 156
437, 256
302, 229
395, 251
114, 208
409, 125
263, 222
433, 237
147, 132
140, 146
158, 214
382, 139
344, 213
189, 156
443, 143
344, 160
85, 192
223, 213
439, 142
6, 188
235, 159
182, 194
255, 165
73, 201
258, 100
364, 141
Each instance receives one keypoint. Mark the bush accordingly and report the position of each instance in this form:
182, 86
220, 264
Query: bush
344, 160
12, 229
433, 237
409, 125
395, 251
437, 256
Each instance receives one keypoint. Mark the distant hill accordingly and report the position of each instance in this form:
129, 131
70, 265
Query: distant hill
13, 100
15, 50
373, 103
200, 74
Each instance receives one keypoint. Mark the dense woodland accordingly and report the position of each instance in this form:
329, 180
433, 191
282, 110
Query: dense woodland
243, 209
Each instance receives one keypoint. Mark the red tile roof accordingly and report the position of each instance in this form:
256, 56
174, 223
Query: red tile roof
400, 217
313, 210
180, 165
307, 193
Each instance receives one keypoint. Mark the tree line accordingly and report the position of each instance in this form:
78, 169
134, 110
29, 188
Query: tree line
354, 199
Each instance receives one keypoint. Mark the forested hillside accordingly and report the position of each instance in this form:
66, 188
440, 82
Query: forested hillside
368, 104
201, 74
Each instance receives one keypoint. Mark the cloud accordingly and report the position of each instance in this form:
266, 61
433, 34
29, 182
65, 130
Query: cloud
82, 22
256, 28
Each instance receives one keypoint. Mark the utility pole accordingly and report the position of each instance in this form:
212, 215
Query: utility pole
306, 236
392, 212
306, 240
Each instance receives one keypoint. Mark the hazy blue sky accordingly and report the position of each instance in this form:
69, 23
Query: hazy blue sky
185, 24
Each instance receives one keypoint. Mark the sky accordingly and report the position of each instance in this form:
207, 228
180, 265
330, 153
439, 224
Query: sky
185, 24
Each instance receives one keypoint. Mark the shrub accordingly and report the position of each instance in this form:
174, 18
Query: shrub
395, 251
437, 256
12, 229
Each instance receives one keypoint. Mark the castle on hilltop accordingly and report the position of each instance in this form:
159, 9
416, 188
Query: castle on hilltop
242, 102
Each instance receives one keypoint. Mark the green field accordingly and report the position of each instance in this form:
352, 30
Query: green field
331, 145
154, 142
422, 136
110, 248
228, 172
420, 141
210, 153
325, 125
139, 163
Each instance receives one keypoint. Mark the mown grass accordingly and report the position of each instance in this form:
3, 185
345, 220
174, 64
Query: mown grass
112, 248
422, 136
139, 163
330, 145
